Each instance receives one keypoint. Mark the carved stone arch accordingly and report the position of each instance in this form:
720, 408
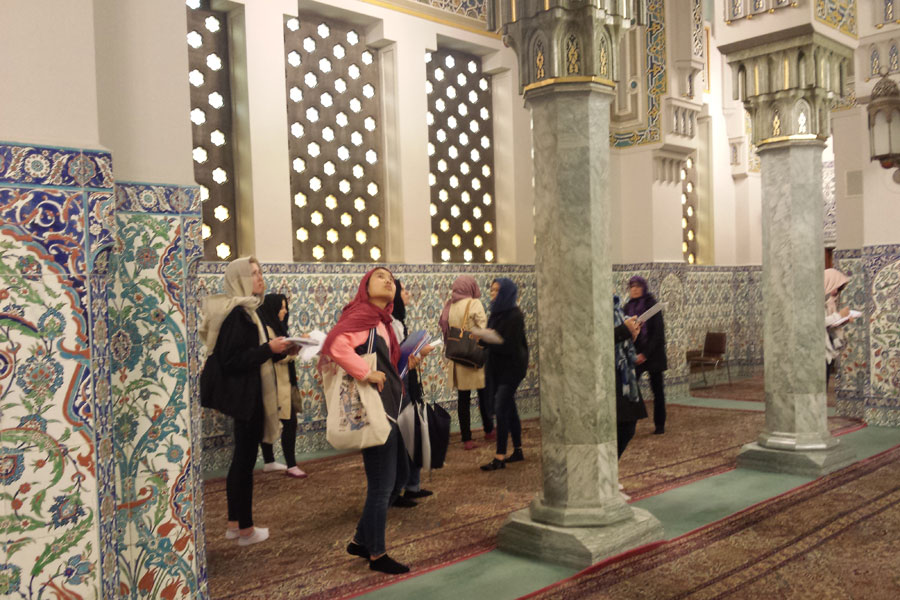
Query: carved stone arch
540, 58
605, 66
874, 61
776, 125
802, 118
740, 83
572, 49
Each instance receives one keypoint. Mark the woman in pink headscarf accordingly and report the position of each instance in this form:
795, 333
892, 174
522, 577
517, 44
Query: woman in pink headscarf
835, 282
464, 305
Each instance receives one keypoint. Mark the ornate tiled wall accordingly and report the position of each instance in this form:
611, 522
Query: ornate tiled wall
700, 299
154, 388
868, 377
474, 9
318, 292
57, 496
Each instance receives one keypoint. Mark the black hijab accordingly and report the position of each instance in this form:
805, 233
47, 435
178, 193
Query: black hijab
399, 311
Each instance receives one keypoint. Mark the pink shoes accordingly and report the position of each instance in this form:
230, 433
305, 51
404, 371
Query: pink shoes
470, 445
490, 436
295, 471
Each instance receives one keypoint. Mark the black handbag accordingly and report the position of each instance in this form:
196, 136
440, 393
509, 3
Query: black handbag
461, 347
439, 433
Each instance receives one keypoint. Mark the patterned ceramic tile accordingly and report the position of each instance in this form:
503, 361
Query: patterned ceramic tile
48, 224
43, 166
147, 198
97, 169
101, 227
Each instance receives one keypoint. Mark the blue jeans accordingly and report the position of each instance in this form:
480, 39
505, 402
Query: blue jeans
382, 464
507, 417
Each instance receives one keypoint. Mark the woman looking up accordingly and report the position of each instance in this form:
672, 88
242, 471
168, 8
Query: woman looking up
387, 464
239, 343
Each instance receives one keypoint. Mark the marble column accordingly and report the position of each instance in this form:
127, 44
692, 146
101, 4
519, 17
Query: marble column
579, 517
796, 438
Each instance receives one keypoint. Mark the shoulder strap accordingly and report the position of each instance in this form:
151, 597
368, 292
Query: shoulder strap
465, 320
371, 341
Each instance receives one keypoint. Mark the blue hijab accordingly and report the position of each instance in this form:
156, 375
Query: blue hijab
625, 357
505, 300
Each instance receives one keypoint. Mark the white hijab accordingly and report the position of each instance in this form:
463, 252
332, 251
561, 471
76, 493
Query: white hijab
238, 292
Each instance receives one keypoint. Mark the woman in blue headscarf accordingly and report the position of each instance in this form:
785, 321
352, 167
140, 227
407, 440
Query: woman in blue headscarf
507, 363
629, 404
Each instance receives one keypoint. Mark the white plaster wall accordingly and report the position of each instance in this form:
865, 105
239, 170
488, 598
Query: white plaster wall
47, 73
143, 99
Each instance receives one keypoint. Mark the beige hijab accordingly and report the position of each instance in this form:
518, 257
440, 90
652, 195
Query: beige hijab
834, 280
239, 292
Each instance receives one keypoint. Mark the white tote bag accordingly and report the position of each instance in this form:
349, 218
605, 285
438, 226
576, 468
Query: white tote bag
356, 417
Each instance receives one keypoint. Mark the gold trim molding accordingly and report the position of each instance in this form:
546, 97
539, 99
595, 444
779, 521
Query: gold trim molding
797, 137
564, 80
433, 18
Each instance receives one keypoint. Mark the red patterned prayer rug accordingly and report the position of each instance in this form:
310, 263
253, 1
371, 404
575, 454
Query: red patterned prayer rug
311, 520
750, 390
836, 537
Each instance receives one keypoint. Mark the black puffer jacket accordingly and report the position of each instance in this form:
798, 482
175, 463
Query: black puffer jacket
507, 363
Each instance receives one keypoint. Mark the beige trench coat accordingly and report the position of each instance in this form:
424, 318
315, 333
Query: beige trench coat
283, 383
461, 377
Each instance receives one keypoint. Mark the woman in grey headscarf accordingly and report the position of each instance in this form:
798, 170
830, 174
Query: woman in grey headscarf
239, 345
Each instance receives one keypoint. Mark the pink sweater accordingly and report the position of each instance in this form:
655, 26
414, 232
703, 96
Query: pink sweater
343, 351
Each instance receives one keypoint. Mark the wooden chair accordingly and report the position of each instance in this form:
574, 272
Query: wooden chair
712, 355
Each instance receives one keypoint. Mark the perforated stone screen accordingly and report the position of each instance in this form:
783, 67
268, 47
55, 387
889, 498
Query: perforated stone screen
689, 206
335, 145
461, 158
211, 118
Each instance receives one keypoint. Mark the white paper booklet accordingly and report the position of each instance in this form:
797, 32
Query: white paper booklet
651, 312
310, 345
854, 314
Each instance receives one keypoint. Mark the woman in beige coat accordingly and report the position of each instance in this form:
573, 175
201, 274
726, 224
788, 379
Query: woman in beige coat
465, 311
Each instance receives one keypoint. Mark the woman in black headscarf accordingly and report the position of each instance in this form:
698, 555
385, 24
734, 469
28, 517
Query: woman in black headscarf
507, 364
650, 346
274, 313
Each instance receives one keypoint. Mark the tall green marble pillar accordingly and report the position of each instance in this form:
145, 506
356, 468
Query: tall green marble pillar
568, 58
788, 86
579, 517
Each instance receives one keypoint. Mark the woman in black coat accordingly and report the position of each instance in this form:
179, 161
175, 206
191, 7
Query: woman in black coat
235, 377
505, 369
651, 347
629, 403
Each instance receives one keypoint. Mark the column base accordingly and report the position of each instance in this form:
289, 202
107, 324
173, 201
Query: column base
576, 547
811, 463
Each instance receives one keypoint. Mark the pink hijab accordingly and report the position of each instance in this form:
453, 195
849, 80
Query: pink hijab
464, 287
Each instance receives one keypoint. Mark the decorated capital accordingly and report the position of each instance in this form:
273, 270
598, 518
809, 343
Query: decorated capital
788, 87
566, 40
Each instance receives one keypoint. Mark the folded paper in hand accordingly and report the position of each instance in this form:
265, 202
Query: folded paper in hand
854, 314
651, 312
489, 336
310, 344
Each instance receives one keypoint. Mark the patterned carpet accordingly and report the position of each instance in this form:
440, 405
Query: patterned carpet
311, 520
752, 390
834, 538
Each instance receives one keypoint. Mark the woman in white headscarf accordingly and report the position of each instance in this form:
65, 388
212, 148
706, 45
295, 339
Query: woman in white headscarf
835, 282
240, 349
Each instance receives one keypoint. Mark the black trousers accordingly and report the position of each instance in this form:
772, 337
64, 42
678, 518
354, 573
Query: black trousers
239, 483
288, 442
625, 431
659, 396
464, 400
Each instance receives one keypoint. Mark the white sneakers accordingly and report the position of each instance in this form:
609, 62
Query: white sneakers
274, 466
260, 534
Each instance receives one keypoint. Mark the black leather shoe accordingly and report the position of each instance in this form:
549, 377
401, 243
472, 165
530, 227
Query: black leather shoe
494, 465
357, 550
404, 502
423, 493
516, 456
